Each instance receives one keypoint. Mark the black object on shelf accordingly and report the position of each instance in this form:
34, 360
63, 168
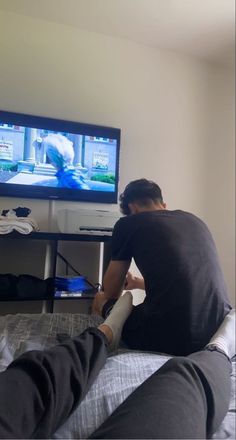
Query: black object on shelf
8, 283
29, 286
25, 287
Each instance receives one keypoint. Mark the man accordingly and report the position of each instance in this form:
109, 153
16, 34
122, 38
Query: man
186, 296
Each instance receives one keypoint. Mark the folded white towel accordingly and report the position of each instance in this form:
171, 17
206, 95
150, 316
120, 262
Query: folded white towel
24, 225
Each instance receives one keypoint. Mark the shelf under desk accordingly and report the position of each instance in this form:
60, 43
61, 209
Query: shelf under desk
50, 261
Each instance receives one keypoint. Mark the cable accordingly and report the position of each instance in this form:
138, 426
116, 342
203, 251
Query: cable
68, 264
97, 285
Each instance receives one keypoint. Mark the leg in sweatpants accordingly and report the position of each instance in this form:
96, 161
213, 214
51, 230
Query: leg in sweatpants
40, 389
187, 398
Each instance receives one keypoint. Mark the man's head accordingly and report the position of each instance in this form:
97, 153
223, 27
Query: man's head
141, 195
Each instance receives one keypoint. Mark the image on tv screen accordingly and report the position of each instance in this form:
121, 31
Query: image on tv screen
47, 158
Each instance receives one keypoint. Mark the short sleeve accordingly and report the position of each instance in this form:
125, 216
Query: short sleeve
121, 241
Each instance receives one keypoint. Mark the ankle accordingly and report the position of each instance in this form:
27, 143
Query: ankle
107, 332
214, 347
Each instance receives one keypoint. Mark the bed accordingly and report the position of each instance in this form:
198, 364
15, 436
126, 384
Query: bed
122, 373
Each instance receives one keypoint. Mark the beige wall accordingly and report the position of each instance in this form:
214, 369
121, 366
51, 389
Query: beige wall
169, 107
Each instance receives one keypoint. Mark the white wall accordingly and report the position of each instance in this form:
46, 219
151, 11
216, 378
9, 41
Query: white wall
219, 205
168, 106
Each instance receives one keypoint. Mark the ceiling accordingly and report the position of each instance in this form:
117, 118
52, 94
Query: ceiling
202, 28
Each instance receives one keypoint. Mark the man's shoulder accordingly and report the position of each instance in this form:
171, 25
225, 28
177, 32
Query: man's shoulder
123, 221
158, 214
124, 224
189, 215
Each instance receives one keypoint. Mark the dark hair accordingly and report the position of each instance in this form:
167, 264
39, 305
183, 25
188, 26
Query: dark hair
142, 191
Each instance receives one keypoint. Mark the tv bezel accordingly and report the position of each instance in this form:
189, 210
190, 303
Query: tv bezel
55, 193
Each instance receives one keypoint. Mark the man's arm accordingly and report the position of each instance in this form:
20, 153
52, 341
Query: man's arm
114, 278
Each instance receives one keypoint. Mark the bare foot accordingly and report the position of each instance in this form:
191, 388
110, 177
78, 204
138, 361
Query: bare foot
98, 303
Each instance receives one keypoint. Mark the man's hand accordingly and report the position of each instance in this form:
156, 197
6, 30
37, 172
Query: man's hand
133, 282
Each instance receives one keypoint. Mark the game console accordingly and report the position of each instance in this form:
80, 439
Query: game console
87, 221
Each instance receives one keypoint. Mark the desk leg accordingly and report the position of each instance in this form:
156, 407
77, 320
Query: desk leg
104, 259
50, 271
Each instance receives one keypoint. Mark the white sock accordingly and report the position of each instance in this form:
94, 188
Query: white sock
224, 338
118, 316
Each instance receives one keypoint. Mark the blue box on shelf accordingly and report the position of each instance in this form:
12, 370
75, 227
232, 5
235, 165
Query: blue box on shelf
73, 287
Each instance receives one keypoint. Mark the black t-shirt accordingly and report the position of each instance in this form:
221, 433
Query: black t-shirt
185, 290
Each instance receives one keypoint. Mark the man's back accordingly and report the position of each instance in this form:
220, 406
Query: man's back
186, 296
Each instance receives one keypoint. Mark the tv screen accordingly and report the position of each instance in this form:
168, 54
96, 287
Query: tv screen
56, 159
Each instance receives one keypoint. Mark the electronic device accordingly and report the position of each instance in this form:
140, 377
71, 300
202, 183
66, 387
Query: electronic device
57, 159
73, 287
87, 221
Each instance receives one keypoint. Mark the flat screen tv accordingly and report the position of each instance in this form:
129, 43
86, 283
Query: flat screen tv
57, 159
